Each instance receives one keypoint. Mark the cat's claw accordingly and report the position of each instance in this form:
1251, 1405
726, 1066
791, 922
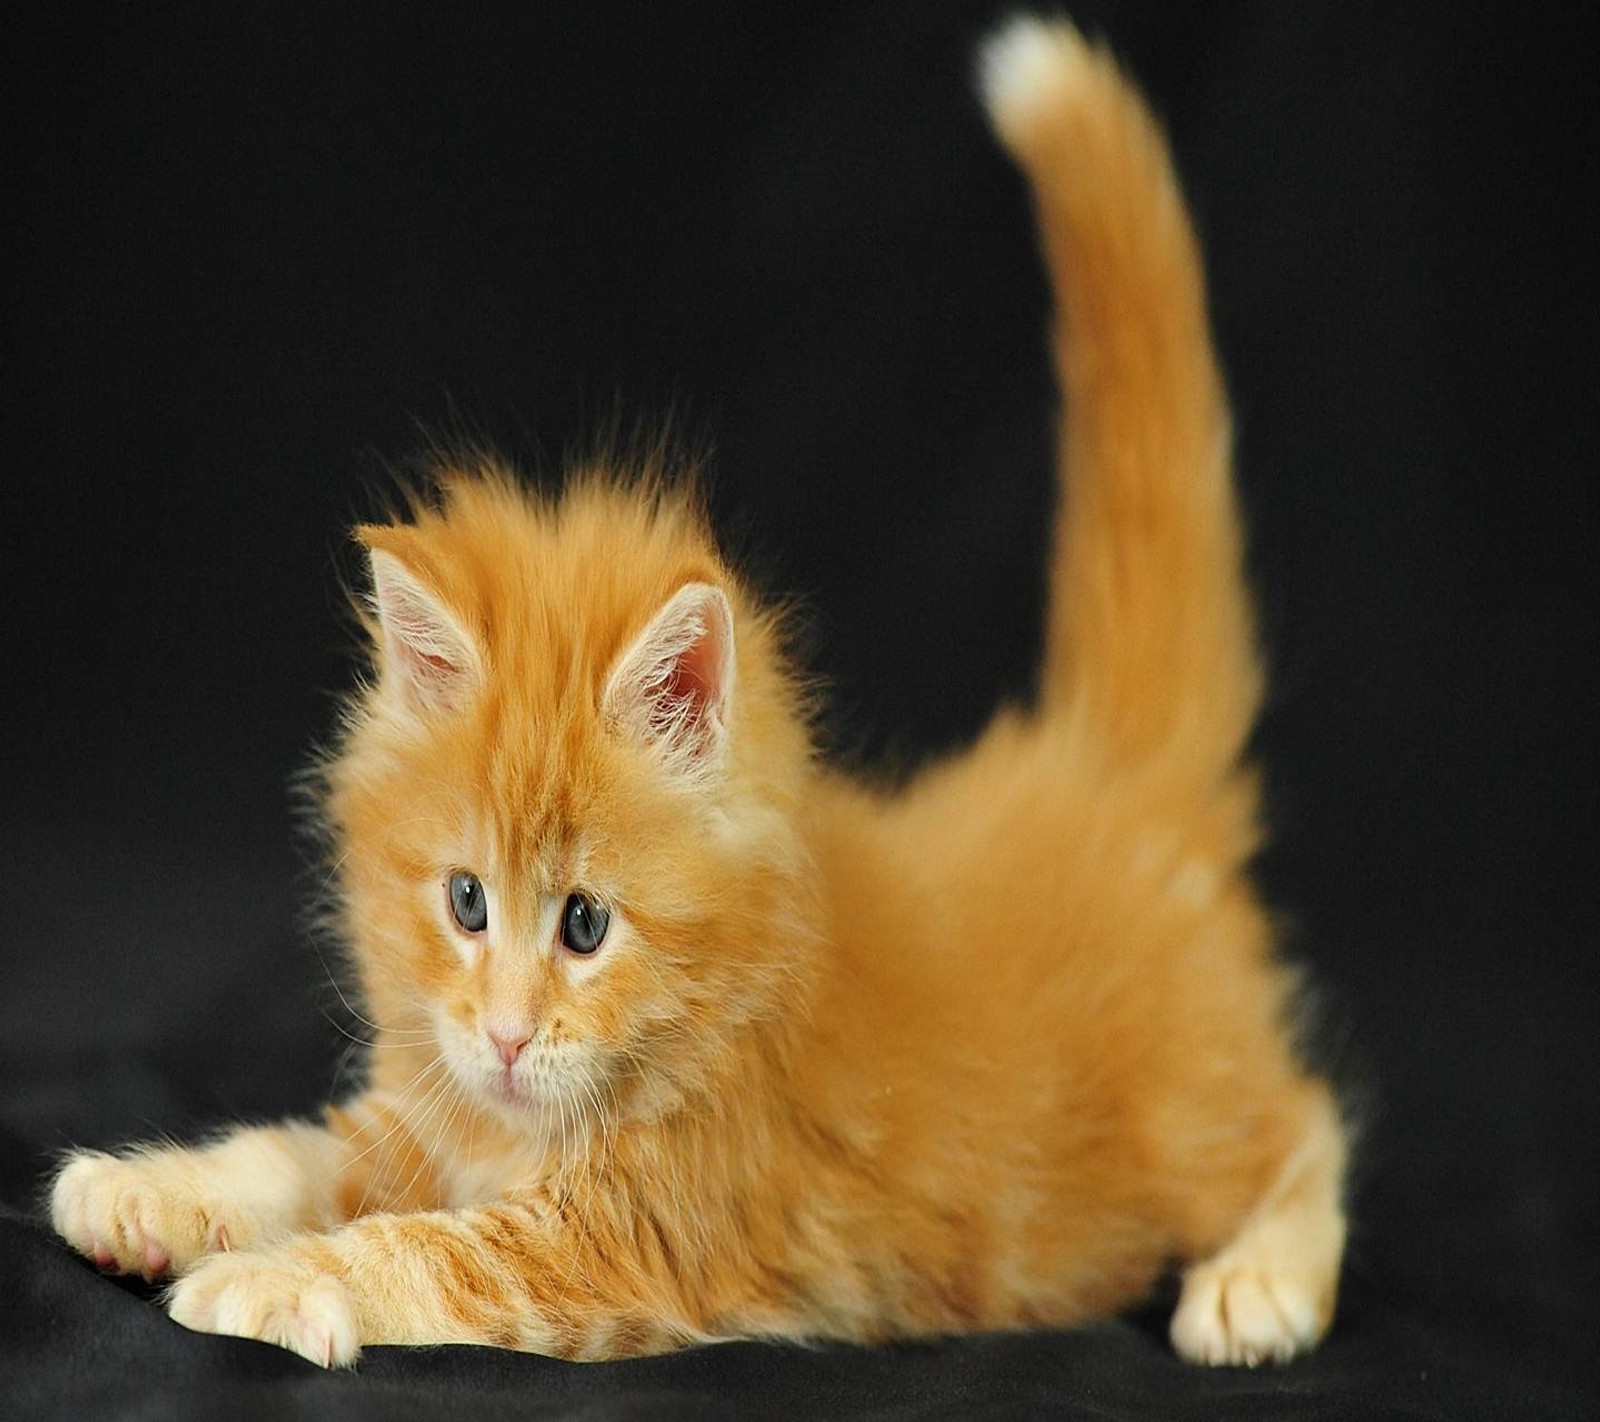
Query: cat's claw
138, 1214
273, 1297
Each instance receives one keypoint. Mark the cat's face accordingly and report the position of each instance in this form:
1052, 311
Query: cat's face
561, 933
507, 1035
555, 864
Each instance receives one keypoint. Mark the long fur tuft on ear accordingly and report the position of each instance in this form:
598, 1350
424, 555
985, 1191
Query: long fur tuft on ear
427, 652
673, 686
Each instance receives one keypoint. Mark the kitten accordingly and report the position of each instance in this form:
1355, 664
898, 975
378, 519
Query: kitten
681, 1035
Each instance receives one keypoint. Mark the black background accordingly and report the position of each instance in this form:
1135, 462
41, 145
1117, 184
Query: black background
256, 257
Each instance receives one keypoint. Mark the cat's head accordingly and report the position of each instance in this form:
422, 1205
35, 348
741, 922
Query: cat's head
564, 808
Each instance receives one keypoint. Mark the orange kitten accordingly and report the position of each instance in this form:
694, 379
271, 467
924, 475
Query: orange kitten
681, 1035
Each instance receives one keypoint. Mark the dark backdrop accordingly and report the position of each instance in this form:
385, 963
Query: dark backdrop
257, 255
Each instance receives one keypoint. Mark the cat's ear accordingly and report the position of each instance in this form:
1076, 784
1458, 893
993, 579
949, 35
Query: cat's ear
426, 650
673, 685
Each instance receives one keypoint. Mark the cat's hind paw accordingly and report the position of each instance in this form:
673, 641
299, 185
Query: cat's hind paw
1233, 1313
1269, 1294
273, 1297
138, 1214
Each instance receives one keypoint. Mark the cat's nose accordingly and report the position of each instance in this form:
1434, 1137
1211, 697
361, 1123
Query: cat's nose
509, 1046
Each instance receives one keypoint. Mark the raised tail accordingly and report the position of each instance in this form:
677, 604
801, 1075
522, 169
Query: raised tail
1150, 641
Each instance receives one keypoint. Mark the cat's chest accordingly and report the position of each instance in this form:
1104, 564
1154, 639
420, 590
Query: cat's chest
478, 1173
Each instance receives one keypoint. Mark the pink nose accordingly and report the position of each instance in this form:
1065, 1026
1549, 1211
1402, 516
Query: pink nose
509, 1047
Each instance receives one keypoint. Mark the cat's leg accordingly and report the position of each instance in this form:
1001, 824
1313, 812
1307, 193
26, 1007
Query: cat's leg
515, 1275
156, 1210
1269, 1293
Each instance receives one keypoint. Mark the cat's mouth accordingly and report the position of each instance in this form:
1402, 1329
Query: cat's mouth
514, 1090
525, 1092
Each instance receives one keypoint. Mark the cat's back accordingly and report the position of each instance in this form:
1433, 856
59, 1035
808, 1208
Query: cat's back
1028, 875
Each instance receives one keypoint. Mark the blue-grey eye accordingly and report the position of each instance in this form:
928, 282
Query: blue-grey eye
467, 902
583, 924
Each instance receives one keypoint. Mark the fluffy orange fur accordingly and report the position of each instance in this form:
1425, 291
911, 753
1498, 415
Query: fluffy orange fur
989, 1051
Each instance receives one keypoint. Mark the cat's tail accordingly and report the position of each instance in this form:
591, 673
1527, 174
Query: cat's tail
1150, 642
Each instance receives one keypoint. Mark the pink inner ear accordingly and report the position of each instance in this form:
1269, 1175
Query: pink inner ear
430, 668
432, 671
674, 684
691, 680
686, 697
440, 664
427, 649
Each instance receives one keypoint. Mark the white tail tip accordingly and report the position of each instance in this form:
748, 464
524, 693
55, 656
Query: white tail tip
1025, 64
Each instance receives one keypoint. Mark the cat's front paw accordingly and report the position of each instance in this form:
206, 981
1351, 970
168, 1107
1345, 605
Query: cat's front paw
140, 1214
275, 1297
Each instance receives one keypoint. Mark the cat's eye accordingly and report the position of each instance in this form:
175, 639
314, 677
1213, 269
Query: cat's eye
468, 903
583, 924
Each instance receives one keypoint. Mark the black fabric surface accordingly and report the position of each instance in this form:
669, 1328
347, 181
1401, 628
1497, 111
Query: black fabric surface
253, 253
